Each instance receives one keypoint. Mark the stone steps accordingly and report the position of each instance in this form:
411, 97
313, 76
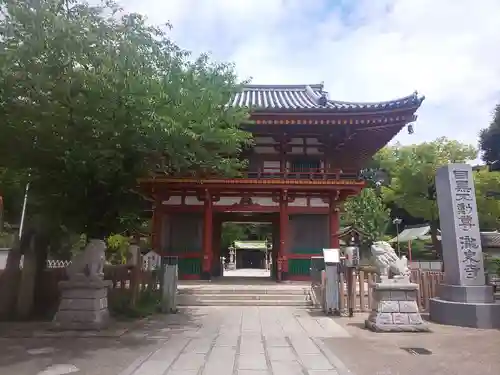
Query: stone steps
250, 291
244, 296
225, 302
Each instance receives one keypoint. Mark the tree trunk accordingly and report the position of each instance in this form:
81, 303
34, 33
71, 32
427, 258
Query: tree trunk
35, 258
9, 281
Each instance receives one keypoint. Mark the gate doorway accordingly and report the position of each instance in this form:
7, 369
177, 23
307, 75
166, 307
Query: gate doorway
246, 244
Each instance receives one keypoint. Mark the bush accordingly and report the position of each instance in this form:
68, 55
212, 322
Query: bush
120, 306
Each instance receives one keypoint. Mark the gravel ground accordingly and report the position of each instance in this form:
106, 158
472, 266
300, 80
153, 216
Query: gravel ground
455, 350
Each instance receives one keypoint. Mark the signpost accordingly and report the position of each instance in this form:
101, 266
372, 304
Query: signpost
332, 297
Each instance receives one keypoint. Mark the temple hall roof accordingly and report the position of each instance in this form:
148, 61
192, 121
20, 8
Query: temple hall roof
312, 98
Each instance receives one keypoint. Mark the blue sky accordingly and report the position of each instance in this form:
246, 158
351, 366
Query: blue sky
371, 50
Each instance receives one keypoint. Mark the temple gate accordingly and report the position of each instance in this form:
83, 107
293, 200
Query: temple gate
306, 161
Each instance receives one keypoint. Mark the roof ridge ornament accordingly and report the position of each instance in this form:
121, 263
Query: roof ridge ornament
319, 99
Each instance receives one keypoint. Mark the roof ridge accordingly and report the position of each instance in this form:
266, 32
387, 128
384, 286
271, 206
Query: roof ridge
414, 95
317, 86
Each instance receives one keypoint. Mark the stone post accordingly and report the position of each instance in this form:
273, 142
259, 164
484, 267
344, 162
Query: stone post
464, 299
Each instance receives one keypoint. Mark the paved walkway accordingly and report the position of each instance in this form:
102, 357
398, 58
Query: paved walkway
247, 341
195, 341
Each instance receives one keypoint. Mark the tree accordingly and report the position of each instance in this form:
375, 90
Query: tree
96, 101
249, 231
90, 101
488, 207
489, 140
412, 170
367, 212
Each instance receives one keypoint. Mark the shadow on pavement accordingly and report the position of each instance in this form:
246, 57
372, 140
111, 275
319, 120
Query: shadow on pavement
27, 348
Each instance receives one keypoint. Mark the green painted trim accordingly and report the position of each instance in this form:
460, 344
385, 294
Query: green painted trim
299, 267
189, 266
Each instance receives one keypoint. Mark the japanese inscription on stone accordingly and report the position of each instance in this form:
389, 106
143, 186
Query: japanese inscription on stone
462, 252
462, 182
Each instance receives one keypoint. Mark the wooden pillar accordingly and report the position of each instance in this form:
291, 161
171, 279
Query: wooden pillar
207, 236
283, 224
283, 155
216, 241
156, 225
334, 223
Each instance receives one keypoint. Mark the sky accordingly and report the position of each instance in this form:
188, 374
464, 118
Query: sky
363, 50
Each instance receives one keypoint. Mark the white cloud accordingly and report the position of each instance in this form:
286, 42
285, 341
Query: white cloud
372, 50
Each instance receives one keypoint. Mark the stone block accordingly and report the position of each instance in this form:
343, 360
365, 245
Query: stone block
83, 304
381, 318
398, 295
85, 293
397, 313
415, 319
256, 361
83, 307
388, 307
400, 319
81, 320
411, 295
408, 307
381, 295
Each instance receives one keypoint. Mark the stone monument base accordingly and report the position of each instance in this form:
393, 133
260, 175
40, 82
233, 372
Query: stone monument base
83, 306
396, 308
465, 306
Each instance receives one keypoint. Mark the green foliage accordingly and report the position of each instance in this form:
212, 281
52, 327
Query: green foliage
6, 239
420, 250
232, 232
412, 170
489, 139
148, 303
117, 249
488, 207
96, 100
492, 264
367, 212
12, 188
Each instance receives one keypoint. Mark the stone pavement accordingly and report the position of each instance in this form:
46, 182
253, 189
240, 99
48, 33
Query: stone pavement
453, 350
248, 341
195, 341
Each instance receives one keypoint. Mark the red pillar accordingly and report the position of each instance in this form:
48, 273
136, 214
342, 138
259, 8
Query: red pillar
334, 225
207, 236
156, 226
283, 236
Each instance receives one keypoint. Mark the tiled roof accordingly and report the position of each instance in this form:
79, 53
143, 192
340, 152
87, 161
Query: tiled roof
311, 98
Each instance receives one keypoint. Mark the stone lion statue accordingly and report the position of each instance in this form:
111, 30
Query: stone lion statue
89, 264
386, 259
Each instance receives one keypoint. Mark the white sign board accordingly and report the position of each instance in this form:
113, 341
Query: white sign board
331, 255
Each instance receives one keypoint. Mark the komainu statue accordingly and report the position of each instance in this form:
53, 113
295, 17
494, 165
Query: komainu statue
386, 260
89, 264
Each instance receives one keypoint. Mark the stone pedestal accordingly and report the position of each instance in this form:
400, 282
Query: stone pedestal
395, 308
465, 306
84, 305
463, 299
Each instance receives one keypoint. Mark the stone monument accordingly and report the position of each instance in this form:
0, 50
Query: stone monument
84, 296
464, 299
394, 296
